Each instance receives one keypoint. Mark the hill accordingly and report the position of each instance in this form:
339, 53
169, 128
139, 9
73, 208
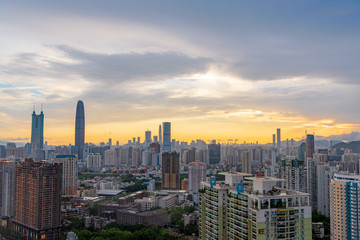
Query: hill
354, 146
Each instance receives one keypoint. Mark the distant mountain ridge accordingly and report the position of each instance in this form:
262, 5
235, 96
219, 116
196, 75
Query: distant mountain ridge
323, 142
354, 146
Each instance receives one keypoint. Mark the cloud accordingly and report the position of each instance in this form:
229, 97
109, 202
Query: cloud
106, 68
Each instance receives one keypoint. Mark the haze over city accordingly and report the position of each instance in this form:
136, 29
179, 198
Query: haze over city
215, 70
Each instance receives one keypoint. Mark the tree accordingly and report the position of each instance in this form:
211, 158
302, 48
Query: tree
189, 209
76, 223
145, 234
93, 210
191, 228
154, 208
115, 234
176, 214
112, 225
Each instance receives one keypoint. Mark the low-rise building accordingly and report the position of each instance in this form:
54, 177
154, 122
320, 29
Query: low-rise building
168, 201
157, 217
147, 203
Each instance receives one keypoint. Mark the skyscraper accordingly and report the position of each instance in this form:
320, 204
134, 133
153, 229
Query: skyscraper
170, 171
69, 174
246, 162
147, 138
37, 134
160, 135
345, 207
302, 150
274, 143
79, 129
37, 206
310, 146
278, 138
214, 153
166, 136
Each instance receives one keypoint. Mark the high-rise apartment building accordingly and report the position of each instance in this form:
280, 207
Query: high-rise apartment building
93, 161
38, 196
321, 199
294, 174
79, 129
147, 138
345, 207
196, 175
135, 159
170, 171
246, 162
166, 136
7, 169
214, 153
272, 213
69, 174
213, 201
253, 208
110, 158
189, 155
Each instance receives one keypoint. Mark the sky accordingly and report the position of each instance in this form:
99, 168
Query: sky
214, 69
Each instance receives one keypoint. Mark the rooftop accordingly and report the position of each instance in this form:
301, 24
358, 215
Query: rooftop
109, 192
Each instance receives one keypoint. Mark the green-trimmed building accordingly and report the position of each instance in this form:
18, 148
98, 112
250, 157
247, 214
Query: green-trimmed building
259, 210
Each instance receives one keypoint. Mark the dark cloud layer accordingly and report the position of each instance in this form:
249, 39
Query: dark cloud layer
108, 68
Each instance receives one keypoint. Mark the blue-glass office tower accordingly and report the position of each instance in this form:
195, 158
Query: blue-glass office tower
310, 146
37, 131
166, 136
79, 129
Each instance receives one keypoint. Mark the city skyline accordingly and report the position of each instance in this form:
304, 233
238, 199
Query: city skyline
214, 70
352, 136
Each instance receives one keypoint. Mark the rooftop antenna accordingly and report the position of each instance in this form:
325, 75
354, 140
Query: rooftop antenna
41, 107
34, 107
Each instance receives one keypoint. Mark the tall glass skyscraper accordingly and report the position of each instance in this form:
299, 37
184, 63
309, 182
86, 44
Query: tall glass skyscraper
310, 146
37, 130
166, 136
79, 129
160, 135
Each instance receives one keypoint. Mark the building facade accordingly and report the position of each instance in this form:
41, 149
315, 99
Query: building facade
37, 134
69, 174
196, 175
37, 206
7, 189
93, 161
253, 208
345, 206
166, 127
170, 171
214, 153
